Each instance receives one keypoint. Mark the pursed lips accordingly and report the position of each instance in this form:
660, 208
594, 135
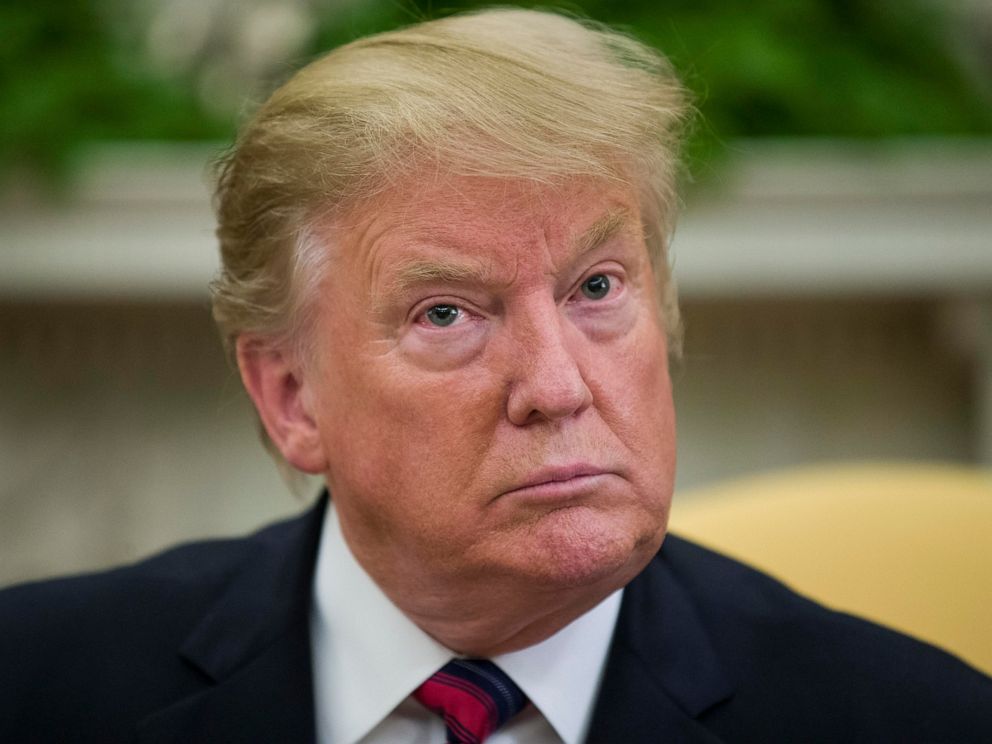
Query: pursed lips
561, 480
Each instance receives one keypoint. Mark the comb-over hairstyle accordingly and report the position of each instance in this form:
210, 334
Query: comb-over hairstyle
499, 93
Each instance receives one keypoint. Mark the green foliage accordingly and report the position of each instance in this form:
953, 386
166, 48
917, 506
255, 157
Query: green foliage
829, 68
64, 81
842, 68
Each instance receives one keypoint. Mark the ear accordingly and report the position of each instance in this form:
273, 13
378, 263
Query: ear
276, 386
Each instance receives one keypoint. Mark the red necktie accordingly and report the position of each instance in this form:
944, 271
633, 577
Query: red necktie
473, 696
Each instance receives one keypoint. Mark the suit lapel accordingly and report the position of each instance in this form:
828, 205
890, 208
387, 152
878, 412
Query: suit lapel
253, 649
662, 672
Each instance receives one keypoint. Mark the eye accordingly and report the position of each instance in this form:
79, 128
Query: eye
442, 315
596, 287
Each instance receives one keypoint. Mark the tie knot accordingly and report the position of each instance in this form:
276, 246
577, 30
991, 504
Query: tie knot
474, 696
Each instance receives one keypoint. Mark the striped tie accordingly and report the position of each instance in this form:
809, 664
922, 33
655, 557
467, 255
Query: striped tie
473, 696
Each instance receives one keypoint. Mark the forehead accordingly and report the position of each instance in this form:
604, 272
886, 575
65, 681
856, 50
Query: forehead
486, 220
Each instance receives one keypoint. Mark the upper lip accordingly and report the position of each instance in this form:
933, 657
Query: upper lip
558, 473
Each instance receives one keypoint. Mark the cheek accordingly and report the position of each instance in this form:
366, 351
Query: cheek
406, 441
638, 404
440, 350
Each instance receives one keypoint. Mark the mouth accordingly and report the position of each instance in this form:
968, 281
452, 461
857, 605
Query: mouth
560, 482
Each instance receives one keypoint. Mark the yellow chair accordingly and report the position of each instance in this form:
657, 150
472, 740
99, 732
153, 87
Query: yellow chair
906, 545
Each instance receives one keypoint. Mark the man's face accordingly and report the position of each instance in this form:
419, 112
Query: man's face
491, 386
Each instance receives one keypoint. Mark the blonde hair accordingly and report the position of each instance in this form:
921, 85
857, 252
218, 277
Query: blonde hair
497, 93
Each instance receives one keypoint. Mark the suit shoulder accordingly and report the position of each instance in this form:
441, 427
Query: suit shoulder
106, 646
133, 609
776, 642
186, 574
166, 576
724, 589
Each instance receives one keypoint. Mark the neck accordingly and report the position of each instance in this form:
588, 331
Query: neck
497, 628
492, 616
488, 608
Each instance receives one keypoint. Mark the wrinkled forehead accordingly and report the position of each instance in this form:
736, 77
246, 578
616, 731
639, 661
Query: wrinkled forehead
483, 211
480, 233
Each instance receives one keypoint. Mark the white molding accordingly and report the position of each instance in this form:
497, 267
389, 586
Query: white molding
797, 217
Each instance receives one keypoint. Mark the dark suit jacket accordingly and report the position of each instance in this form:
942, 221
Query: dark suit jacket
209, 642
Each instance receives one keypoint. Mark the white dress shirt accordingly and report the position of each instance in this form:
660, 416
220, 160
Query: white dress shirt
368, 658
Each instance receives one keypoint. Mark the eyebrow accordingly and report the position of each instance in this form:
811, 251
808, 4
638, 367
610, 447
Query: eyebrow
424, 271
602, 230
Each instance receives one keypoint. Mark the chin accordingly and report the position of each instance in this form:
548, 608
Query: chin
582, 546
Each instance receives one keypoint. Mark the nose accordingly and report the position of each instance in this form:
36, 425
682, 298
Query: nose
547, 382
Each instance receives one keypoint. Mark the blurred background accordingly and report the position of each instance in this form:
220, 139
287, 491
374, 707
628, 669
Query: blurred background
834, 258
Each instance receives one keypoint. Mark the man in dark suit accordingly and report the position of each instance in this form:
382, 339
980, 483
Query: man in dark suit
446, 286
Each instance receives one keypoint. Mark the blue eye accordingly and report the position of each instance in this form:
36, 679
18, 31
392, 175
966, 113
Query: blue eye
596, 287
442, 315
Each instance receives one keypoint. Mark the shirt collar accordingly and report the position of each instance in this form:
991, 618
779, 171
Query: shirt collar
561, 674
368, 656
